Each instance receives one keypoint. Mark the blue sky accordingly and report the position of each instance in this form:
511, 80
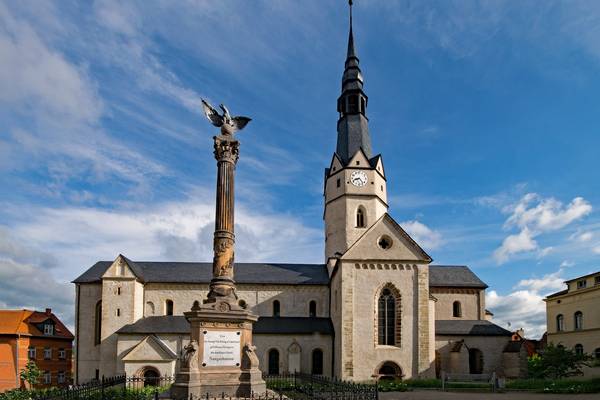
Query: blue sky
486, 114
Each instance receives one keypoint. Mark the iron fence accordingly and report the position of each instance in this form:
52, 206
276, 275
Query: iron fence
295, 386
114, 388
299, 386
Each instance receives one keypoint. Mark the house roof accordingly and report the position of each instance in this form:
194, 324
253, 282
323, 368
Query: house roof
23, 322
264, 325
265, 273
194, 272
454, 276
293, 325
557, 294
469, 328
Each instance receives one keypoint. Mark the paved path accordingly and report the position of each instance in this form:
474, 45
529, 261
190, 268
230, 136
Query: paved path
436, 395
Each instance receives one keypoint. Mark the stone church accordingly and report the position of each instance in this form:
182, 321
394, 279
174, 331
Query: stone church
376, 307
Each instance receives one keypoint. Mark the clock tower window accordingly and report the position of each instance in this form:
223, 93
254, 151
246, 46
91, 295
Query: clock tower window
360, 218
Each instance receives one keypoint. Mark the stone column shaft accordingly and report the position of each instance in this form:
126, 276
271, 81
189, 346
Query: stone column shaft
222, 284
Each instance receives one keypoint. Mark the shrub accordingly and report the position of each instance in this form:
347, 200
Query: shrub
392, 386
556, 362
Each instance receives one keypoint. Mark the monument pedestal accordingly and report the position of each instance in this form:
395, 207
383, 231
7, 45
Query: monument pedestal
220, 357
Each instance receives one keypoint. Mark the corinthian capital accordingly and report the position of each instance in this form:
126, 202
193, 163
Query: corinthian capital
226, 149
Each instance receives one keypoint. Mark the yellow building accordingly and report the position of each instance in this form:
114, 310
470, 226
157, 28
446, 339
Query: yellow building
573, 315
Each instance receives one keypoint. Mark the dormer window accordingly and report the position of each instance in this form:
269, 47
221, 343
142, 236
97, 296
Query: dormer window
581, 284
48, 329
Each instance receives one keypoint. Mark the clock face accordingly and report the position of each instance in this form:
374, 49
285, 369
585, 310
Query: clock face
358, 178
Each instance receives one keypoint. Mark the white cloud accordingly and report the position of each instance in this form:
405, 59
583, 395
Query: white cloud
74, 238
60, 103
584, 236
426, 237
547, 283
535, 215
513, 244
596, 249
521, 309
548, 215
524, 307
26, 280
566, 264
79, 236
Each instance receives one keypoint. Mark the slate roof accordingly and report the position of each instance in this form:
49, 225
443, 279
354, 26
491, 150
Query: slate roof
193, 272
557, 294
265, 273
454, 276
293, 325
264, 325
469, 328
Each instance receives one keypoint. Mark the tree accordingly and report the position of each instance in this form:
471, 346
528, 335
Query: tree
556, 361
31, 373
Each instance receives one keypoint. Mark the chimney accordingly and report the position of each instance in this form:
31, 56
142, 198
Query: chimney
48, 311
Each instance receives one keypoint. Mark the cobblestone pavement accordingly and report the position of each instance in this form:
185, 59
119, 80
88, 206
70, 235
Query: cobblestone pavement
436, 395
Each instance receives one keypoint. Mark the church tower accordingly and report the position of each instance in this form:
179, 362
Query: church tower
355, 184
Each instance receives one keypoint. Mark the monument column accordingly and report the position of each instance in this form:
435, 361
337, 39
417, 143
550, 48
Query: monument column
220, 357
222, 285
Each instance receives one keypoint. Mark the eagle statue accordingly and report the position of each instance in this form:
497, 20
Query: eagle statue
228, 124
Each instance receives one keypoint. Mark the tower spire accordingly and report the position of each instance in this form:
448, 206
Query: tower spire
351, 50
353, 129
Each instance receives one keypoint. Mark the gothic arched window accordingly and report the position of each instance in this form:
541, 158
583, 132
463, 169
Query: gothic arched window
578, 316
312, 309
386, 318
168, 307
456, 309
360, 218
276, 308
560, 323
98, 323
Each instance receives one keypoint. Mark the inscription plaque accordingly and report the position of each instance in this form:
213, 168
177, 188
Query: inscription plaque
221, 349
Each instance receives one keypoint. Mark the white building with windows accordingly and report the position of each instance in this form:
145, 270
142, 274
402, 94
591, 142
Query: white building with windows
375, 307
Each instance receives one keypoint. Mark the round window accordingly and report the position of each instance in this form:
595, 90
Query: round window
242, 303
385, 242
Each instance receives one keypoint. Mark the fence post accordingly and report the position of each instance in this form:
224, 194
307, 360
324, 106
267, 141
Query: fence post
443, 381
102, 388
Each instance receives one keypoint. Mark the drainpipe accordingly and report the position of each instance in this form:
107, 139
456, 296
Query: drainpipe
17, 381
77, 334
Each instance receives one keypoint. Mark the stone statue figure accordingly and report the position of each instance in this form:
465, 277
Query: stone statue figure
228, 124
249, 357
190, 360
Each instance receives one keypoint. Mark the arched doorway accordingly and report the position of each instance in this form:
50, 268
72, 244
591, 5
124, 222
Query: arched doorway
475, 361
147, 376
389, 370
317, 362
273, 362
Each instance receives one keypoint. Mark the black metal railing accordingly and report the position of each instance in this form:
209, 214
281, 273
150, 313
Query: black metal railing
305, 386
295, 386
114, 388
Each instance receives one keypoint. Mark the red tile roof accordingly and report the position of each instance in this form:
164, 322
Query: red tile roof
24, 322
